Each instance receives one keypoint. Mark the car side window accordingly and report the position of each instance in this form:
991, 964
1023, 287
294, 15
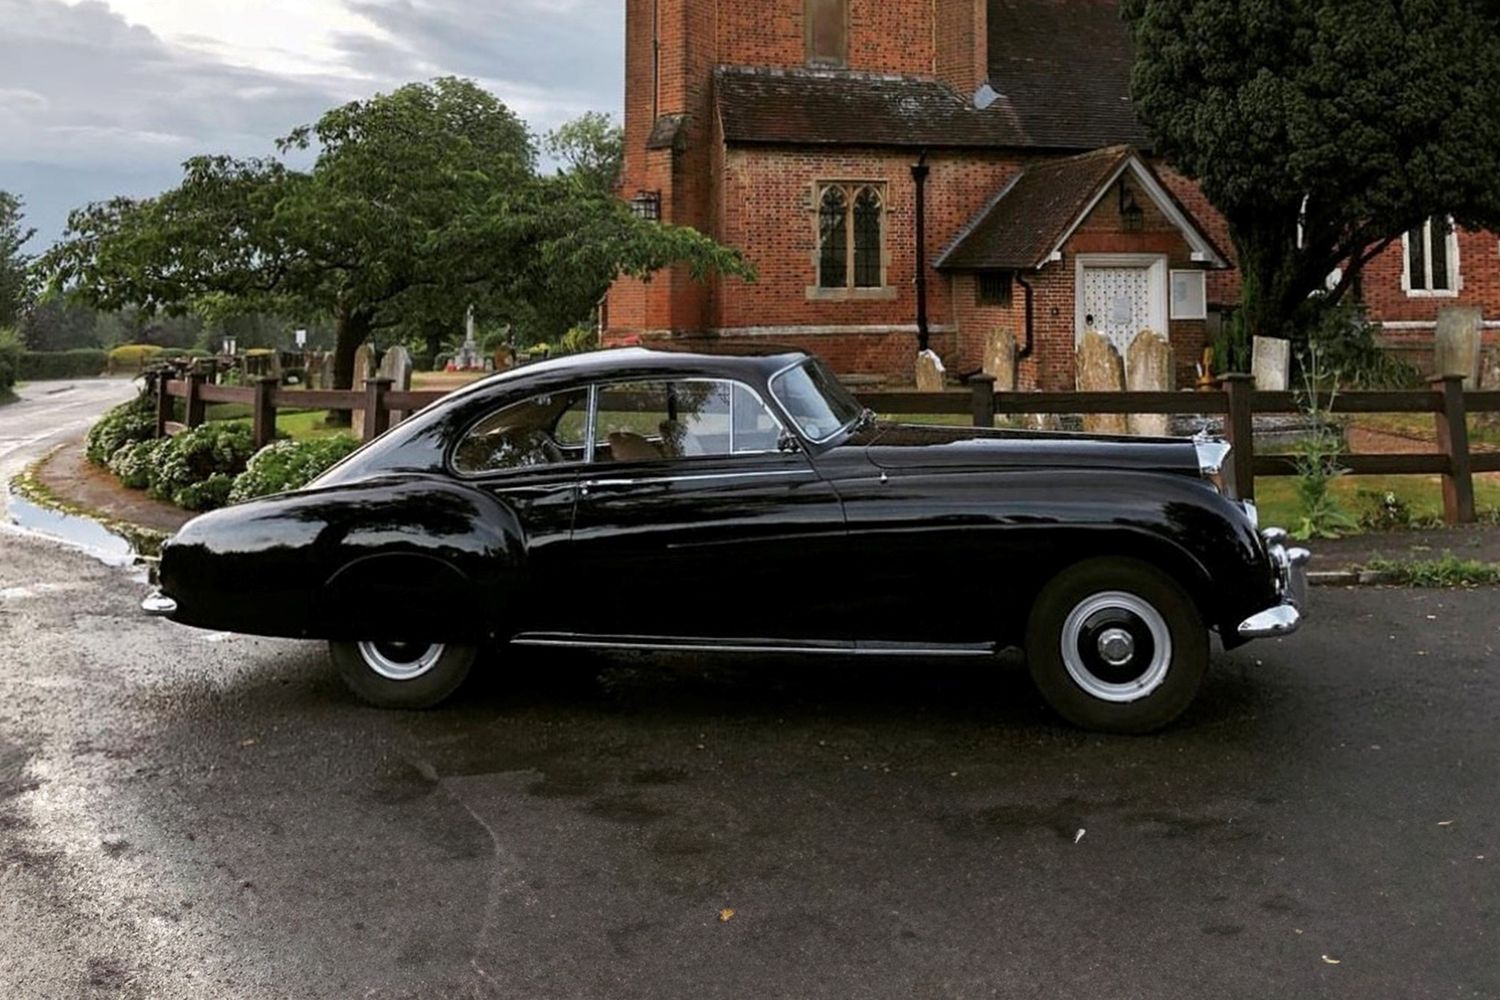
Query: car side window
547, 429
680, 419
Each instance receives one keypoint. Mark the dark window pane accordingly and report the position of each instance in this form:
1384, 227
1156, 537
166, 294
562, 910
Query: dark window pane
1439, 231
827, 32
993, 288
1416, 242
543, 430
833, 239
867, 242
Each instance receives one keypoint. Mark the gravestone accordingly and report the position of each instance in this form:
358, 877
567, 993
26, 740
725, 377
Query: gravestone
1489, 378
930, 372
1271, 363
1100, 369
325, 371
1456, 349
364, 367
1148, 368
397, 366
1000, 358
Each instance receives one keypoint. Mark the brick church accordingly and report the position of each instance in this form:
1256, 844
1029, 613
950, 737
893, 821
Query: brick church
962, 171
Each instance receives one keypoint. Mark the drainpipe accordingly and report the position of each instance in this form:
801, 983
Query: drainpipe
655, 61
919, 172
1025, 352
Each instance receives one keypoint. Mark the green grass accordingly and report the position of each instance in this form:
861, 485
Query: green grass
1449, 571
1423, 495
299, 425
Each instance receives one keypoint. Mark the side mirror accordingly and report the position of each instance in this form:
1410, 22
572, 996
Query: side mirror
788, 444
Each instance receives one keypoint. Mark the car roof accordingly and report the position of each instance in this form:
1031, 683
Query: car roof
632, 361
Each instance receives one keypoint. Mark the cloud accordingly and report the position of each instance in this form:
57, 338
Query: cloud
549, 60
87, 96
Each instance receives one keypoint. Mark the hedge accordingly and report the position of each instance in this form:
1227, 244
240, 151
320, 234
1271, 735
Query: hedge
11, 352
290, 465
43, 365
132, 358
125, 424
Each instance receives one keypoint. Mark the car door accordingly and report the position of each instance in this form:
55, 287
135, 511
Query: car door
529, 455
694, 522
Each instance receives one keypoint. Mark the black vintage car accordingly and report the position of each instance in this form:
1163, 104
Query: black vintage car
638, 499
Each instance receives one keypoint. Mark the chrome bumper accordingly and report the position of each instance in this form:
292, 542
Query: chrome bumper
1291, 586
159, 605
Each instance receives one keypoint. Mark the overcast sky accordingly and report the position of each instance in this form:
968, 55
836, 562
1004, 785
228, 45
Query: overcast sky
107, 97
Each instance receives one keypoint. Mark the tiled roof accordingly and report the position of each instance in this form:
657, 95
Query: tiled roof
826, 107
1062, 68
1019, 229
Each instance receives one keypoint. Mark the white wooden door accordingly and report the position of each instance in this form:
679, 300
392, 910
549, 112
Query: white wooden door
1118, 302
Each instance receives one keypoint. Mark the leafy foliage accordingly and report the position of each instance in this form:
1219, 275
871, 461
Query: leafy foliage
196, 469
290, 465
1449, 571
135, 464
131, 358
11, 352
419, 203
592, 148
15, 280
1316, 458
82, 363
1322, 129
125, 424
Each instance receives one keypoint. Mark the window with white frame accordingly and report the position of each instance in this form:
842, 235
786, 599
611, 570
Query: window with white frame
1432, 259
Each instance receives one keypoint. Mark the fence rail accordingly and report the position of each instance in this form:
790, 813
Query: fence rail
1237, 401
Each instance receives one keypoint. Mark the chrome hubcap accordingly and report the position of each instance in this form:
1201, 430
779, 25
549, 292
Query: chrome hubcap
1116, 647
401, 661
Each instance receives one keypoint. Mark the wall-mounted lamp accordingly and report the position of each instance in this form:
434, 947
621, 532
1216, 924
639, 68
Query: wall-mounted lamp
1131, 216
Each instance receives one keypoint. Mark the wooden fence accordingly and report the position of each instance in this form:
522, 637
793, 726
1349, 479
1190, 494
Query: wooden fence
1237, 402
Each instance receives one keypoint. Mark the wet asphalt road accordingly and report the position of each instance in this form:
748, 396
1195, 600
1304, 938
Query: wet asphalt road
194, 815
51, 413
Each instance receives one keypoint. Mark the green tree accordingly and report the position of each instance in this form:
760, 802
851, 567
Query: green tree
591, 149
15, 284
419, 203
1322, 129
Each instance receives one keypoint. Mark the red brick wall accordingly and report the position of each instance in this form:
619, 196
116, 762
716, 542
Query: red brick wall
961, 31
885, 36
1478, 267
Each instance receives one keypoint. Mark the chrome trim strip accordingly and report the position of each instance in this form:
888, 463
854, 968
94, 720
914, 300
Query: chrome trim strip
645, 480
664, 645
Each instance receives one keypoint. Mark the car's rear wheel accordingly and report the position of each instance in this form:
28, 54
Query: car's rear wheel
1118, 646
408, 675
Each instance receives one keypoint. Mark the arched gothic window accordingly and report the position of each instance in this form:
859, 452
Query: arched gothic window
851, 235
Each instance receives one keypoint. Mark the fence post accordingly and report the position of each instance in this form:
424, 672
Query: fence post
263, 423
161, 381
196, 412
1239, 431
983, 386
377, 417
1453, 441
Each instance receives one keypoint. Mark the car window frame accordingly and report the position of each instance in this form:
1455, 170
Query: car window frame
771, 388
771, 411
532, 470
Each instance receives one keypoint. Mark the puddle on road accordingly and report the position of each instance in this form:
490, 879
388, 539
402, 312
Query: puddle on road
90, 536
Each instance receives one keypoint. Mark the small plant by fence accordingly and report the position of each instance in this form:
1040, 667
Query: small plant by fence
1237, 401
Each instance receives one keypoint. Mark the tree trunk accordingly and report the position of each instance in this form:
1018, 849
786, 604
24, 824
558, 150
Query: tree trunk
352, 330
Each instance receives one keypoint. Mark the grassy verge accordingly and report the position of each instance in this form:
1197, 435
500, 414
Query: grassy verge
1447, 572
29, 486
299, 425
1422, 495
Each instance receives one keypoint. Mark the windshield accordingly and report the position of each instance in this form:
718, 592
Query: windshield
819, 404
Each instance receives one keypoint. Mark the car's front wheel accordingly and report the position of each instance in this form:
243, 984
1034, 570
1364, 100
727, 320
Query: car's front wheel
1118, 646
407, 675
